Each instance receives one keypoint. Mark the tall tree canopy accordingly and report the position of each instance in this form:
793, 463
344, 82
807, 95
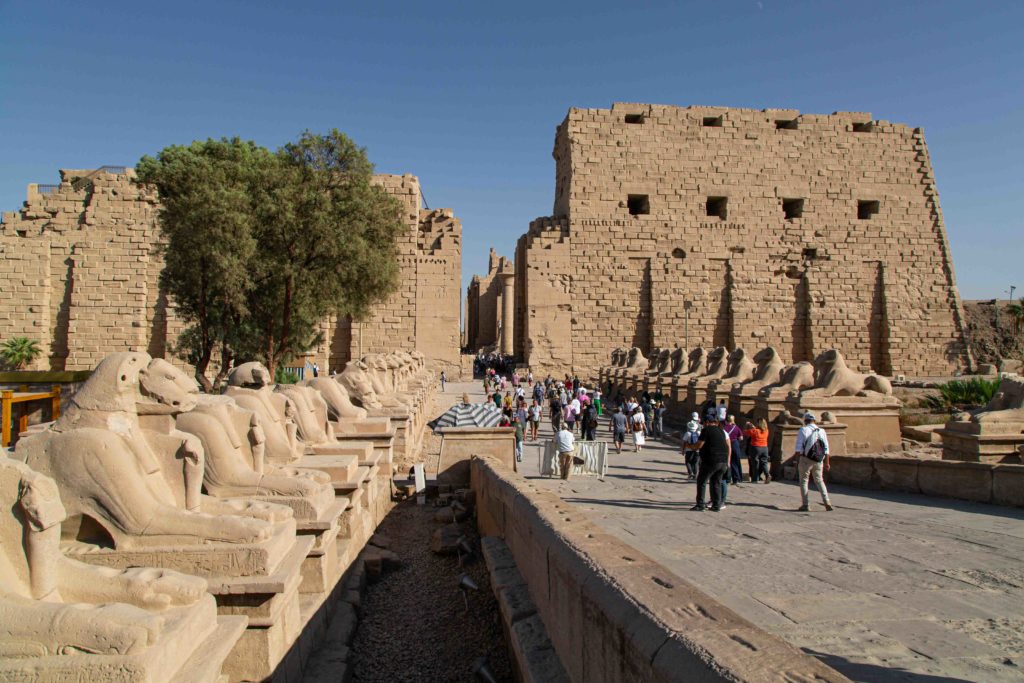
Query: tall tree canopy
261, 246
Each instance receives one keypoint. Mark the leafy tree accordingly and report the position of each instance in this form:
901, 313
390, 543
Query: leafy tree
207, 221
260, 247
325, 244
19, 351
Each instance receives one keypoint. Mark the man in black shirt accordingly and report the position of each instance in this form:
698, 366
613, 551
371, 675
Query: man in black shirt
715, 451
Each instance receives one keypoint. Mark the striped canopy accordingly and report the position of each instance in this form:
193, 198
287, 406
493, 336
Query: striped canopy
468, 415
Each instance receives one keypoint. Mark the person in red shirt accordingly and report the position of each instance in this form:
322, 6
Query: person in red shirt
757, 455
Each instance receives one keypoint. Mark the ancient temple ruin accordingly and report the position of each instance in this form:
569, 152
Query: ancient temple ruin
80, 260
490, 302
712, 226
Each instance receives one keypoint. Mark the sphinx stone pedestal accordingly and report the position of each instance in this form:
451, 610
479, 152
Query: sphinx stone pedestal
991, 442
873, 422
64, 620
256, 580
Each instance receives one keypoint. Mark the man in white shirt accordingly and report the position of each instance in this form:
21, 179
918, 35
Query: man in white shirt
565, 444
806, 439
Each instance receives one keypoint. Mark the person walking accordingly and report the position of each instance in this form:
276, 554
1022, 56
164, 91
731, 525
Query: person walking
715, 451
812, 452
569, 415
757, 440
538, 393
517, 424
444, 379
639, 427
658, 425
565, 445
590, 422
535, 414
618, 425
690, 438
597, 401
556, 413
736, 444
723, 411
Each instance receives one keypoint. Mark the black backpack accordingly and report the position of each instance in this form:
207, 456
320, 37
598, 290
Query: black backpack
817, 451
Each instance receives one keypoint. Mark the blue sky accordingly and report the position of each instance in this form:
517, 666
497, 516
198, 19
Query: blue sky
467, 95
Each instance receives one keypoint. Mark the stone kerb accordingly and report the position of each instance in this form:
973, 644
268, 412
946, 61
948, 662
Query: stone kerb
614, 614
997, 484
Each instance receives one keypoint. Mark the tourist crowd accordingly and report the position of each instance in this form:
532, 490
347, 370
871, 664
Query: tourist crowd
713, 447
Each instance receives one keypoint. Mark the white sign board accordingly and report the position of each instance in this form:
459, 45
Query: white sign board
421, 477
591, 457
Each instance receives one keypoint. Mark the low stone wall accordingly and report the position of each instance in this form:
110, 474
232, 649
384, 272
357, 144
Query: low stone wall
614, 614
979, 482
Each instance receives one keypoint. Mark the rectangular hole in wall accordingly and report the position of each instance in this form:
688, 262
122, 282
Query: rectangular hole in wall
810, 254
793, 208
866, 208
717, 206
712, 122
639, 204
863, 127
785, 124
634, 118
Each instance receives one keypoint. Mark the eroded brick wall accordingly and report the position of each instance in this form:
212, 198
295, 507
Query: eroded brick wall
80, 272
632, 243
82, 260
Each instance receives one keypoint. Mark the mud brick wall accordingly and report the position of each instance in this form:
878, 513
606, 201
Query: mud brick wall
423, 314
797, 230
92, 287
80, 272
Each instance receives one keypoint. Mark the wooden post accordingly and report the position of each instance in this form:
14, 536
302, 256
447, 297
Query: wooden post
5, 412
55, 403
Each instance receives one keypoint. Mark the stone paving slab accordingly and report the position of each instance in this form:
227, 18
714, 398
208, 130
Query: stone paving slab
889, 587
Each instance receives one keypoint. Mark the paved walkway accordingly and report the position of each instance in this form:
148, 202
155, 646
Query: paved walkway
889, 587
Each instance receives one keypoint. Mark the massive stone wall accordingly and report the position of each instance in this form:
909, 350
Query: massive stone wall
740, 227
423, 314
80, 271
80, 259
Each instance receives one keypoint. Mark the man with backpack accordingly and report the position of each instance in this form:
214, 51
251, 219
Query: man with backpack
812, 460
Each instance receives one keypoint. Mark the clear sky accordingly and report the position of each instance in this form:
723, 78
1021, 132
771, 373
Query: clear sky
467, 95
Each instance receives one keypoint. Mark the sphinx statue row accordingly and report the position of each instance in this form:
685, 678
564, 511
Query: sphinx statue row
764, 386
239, 502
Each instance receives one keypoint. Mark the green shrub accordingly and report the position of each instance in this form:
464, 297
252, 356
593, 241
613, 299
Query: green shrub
962, 394
282, 377
18, 352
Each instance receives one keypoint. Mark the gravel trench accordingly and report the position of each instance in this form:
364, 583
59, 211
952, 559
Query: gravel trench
413, 624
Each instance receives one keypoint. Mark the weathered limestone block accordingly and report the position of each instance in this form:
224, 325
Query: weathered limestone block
772, 398
133, 483
993, 434
864, 402
63, 619
249, 386
739, 369
768, 371
697, 385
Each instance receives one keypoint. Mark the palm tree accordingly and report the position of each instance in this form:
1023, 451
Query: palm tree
1017, 311
19, 352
